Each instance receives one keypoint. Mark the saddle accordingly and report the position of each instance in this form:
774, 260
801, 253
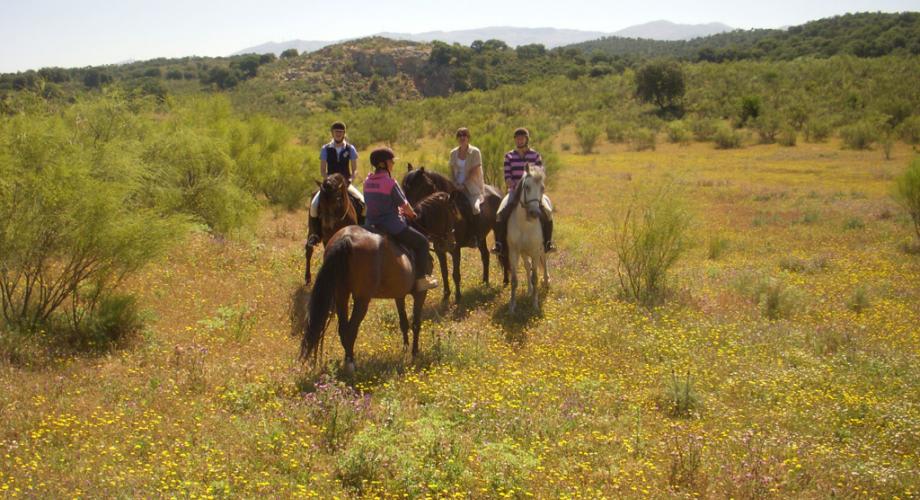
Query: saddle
374, 228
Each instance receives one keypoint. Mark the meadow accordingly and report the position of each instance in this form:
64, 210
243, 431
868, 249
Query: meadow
782, 363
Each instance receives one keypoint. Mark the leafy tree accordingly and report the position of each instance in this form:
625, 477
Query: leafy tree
95, 78
289, 54
662, 83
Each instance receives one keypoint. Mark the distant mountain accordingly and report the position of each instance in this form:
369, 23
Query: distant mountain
277, 48
548, 37
666, 30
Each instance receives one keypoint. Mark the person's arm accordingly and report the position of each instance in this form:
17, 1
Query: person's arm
354, 163
322, 162
508, 183
404, 207
407, 210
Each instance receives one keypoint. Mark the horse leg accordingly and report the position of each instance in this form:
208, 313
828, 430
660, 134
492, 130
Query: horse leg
534, 263
455, 260
358, 311
418, 301
341, 312
484, 255
545, 271
308, 254
442, 261
403, 321
512, 264
528, 274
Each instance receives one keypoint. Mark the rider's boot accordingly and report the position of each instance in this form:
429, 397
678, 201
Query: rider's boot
547, 224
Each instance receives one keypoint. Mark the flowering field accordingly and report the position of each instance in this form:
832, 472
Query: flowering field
784, 362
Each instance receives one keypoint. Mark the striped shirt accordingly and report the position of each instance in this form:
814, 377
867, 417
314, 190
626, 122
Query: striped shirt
516, 165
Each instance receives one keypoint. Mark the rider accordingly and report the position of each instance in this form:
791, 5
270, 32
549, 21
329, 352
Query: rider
466, 165
516, 162
387, 208
336, 157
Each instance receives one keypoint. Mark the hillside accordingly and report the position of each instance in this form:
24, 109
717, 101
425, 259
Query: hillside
861, 35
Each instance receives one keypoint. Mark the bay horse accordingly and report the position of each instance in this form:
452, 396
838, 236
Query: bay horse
335, 212
361, 265
525, 234
419, 183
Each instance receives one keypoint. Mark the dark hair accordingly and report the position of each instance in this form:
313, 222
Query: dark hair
381, 155
463, 131
338, 126
521, 131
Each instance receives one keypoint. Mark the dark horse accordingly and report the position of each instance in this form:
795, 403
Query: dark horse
335, 212
362, 265
419, 183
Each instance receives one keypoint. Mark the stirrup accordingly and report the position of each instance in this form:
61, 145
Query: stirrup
549, 247
497, 249
313, 240
426, 283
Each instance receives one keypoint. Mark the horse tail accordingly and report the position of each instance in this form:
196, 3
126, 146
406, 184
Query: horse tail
332, 274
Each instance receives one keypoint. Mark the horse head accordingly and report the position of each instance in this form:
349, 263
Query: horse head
532, 189
333, 196
417, 184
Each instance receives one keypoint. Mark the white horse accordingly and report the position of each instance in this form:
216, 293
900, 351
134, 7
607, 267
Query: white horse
525, 235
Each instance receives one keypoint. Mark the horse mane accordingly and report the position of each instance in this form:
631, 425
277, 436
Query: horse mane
434, 207
441, 181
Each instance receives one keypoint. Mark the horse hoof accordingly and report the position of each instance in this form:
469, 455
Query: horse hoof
350, 368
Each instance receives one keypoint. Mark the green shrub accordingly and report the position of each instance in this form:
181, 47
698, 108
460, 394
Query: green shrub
679, 399
678, 133
787, 136
704, 129
505, 467
716, 246
726, 137
860, 135
71, 227
859, 300
652, 238
767, 126
749, 109
907, 192
642, 139
616, 132
817, 130
909, 130
587, 134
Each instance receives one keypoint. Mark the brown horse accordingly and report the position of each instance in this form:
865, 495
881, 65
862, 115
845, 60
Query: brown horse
419, 183
362, 265
335, 212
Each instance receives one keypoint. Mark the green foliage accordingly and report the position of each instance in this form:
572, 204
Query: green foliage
907, 192
749, 109
652, 237
859, 300
679, 399
860, 135
703, 128
817, 129
71, 228
787, 136
768, 126
678, 133
662, 83
716, 246
642, 139
587, 133
289, 54
616, 131
909, 130
727, 137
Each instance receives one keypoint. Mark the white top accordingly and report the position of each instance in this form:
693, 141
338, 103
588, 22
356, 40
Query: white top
461, 163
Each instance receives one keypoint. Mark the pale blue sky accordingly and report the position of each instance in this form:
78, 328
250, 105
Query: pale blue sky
35, 34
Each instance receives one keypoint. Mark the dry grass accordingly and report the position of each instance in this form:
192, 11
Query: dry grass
818, 402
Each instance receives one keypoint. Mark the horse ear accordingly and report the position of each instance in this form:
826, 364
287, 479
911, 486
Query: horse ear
422, 168
318, 183
410, 167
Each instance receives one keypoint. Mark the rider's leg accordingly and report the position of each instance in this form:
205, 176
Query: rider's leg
419, 245
357, 198
501, 225
315, 230
546, 222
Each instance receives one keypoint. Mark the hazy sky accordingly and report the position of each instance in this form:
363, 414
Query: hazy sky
35, 34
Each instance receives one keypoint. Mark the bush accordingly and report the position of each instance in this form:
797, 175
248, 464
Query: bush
678, 133
907, 191
716, 247
749, 109
652, 238
70, 227
817, 130
787, 136
616, 132
289, 53
726, 137
860, 135
909, 130
661, 83
767, 126
703, 128
679, 399
587, 136
642, 139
